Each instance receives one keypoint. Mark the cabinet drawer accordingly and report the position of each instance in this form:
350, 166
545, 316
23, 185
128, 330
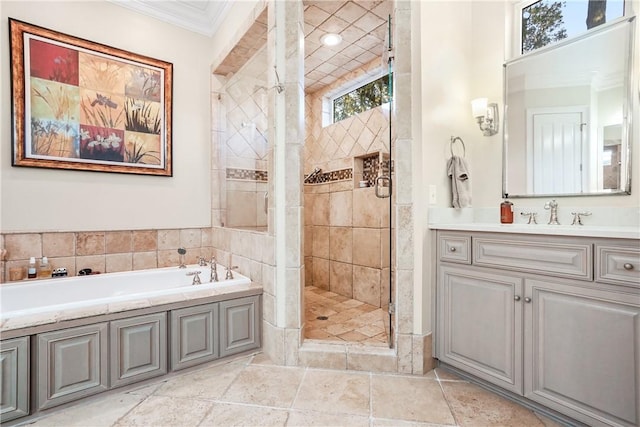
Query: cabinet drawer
454, 248
618, 266
572, 260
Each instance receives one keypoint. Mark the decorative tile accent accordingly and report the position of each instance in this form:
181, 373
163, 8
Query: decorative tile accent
332, 176
247, 174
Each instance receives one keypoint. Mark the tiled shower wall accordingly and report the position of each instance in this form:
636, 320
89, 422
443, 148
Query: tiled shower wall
243, 108
346, 227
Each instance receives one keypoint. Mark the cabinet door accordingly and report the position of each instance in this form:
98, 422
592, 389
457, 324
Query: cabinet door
479, 328
582, 352
72, 363
194, 335
239, 325
138, 348
14, 378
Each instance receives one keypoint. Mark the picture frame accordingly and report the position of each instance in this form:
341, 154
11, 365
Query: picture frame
81, 105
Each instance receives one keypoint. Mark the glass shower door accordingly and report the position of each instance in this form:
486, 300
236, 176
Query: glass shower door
384, 191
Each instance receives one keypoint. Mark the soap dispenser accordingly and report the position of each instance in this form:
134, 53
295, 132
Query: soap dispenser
506, 211
44, 272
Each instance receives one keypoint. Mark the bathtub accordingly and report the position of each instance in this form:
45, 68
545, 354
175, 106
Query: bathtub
29, 303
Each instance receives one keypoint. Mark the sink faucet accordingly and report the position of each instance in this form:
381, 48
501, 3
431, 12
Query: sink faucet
214, 270
553, 215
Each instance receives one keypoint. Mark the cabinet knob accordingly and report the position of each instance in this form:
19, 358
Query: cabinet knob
628, 266
517, 298
527, 299
453, 249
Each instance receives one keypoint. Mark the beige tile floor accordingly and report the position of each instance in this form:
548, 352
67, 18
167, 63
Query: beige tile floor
348, 320
251, 391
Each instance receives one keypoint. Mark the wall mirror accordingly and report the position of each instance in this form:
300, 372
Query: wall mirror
567, 116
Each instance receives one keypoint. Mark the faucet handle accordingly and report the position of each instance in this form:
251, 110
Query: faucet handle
577, 217
201, 261
196, 277
531, 215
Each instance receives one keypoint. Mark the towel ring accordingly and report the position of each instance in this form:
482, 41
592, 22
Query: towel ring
453, 140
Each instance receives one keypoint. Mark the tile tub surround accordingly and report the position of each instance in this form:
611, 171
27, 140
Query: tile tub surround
107, 251
253, 391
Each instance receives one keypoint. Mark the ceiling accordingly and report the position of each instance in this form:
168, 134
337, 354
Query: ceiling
362, 25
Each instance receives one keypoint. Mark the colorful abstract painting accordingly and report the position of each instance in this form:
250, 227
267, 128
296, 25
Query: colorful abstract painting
86, 106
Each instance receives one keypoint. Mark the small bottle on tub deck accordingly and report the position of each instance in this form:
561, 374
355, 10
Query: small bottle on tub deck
506, 211
44, 272
31, 271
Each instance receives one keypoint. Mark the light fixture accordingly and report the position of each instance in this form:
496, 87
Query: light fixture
486, 115
331, 39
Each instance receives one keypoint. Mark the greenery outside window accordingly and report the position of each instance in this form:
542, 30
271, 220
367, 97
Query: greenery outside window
365, 97
548, 21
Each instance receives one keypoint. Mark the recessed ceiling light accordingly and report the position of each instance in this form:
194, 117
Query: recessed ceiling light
331, 39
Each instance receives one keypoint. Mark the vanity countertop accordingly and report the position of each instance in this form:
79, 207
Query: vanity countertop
556, 230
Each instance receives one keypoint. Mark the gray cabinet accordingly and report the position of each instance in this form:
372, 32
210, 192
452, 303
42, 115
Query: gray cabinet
72, 363
138, 348
529, 315
480, 324
194, 335
14, 376
239, 325
581, 352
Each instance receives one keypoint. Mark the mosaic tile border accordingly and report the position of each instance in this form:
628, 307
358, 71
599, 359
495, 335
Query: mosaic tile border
247, 174
331, 176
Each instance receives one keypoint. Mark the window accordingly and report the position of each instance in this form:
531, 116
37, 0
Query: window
547, 21
363, 98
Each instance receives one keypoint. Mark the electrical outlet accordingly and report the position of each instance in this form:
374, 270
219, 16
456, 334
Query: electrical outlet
432, 194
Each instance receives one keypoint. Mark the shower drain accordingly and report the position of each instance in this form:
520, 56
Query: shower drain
322, 318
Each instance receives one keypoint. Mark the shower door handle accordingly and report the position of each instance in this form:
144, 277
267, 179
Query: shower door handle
266, 202
383, 181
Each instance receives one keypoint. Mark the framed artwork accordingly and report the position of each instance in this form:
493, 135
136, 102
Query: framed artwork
80, 105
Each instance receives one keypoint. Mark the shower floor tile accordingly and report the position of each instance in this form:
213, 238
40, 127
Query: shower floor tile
347, 320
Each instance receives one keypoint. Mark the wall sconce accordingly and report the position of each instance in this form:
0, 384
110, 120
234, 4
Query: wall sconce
486, 115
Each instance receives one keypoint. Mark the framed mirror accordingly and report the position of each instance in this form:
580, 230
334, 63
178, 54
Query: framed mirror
567, 116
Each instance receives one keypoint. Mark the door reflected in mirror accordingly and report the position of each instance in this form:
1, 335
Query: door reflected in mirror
567, 110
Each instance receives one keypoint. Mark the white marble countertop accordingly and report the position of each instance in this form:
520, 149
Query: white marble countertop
556, 230
57, 315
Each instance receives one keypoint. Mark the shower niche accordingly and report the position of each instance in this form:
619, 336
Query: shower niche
367, 168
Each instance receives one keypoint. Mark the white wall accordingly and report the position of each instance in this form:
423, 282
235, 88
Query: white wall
35, 199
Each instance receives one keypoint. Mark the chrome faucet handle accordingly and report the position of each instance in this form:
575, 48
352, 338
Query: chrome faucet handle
577, 217
202, 262
196, 277
229, 275
531, 216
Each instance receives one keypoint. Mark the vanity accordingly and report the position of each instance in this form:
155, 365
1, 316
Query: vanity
551, 316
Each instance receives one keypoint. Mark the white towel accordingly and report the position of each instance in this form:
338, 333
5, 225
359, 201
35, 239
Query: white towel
458, 171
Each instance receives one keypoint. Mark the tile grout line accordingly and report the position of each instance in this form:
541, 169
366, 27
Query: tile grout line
446, 399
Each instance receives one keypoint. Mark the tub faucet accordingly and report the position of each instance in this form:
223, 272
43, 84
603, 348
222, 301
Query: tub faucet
214, 270
229, 275
196, 277
552, 206
202, 262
